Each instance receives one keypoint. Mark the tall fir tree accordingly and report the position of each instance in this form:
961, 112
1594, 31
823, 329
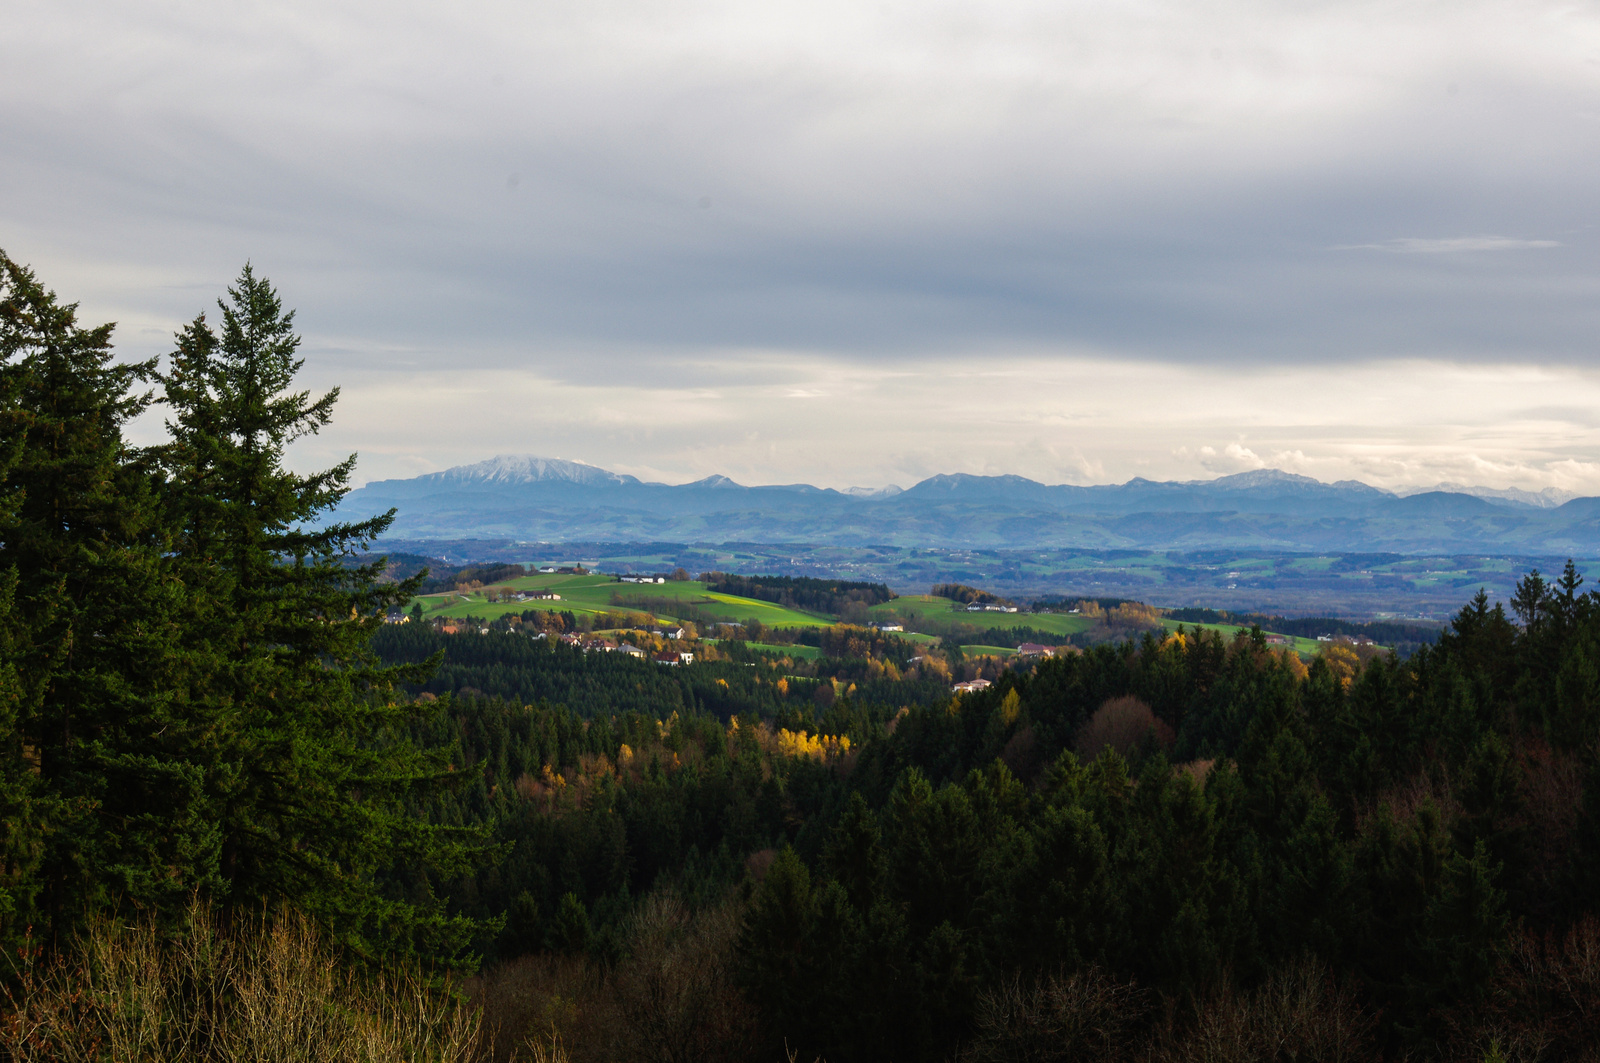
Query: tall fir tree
113, 810
313, 784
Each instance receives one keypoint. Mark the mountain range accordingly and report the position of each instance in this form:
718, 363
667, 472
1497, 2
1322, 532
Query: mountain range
552, 500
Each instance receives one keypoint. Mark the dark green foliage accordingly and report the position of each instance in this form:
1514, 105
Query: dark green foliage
187, 705
443, 577
1386, 632
960, 592
526, 670
112, 805
829, 596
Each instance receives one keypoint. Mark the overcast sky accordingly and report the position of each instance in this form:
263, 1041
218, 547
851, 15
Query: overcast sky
853, 243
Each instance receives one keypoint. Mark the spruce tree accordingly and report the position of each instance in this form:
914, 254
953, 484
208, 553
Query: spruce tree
313, 785
110, 809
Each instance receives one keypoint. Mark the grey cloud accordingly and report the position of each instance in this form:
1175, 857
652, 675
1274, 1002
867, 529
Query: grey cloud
1452, 245
1163, 182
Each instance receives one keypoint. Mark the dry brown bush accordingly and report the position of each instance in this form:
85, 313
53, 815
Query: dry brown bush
1123, 724
1544, 1003
277, 993
1197, 770
1021, 753
676, 991
671, 998
535, 1002
1298, 1013
1082, 1015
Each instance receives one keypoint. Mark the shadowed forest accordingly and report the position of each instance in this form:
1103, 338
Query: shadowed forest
237, 822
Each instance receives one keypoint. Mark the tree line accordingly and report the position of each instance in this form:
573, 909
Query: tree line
829, 596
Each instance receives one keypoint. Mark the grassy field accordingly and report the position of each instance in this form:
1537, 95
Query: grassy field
914, 607
987, 651
808, 653
587, 595
1304, 647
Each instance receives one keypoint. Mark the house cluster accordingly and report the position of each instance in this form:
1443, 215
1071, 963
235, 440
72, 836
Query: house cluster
1354, 640
605, 645
887, 627
990, 607
540, 594
971, 686
565, 640
634, 577
1034, 649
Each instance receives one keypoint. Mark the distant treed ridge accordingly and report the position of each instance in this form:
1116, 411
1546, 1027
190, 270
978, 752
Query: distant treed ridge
800, 592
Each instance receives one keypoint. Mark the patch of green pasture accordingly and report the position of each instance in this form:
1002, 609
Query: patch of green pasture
592, 594
1303, 646
808, 653
988, 651
915, 607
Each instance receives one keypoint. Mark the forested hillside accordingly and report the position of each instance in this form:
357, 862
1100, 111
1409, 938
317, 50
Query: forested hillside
1128, 843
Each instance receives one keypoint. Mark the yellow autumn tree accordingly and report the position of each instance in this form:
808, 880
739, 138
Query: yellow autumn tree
1342, 661
816, 747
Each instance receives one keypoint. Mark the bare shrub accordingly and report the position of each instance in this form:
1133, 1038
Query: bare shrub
758, 862
676, 990
1021, 753
1544, 1003
274, 993
1123, 724
671, 998
535, 1004
1299, 1012
1082, 1015
1552, 795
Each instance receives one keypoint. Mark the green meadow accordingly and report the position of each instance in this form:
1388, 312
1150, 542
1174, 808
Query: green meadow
1304, 647
805, 653
914, 608
587, 595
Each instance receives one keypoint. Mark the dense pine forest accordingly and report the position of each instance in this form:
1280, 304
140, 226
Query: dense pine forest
223, 778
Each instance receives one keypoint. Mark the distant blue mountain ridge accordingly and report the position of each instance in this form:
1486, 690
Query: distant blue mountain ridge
552, 500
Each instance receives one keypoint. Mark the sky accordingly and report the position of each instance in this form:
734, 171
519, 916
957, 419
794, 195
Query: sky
852, 243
